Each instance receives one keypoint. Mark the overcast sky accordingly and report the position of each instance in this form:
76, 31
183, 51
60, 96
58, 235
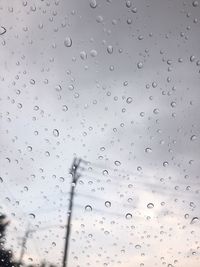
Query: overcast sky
115, 83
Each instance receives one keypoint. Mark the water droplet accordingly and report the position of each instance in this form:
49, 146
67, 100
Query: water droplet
55, 132
117, 163
88, 208
83, 55
32, 215
195, 3
58, 88
2, 30
140, 65
186, 216
165, 163
53, 244
148, 150
156, 111
150, 206
173, 104
192, 58
129, 216
93, 53
68, 42
1, 180
192, 205
110, 49
129, 100
194, 220
29, 148
108, 204
105, 172
32, 81
137, 246
193, 138
93, 3
64, 108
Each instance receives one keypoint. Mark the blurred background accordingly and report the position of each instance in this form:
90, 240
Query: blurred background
115, 84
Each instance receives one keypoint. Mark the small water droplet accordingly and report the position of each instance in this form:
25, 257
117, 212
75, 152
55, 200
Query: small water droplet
88, 208
148, 150
105, 172
165, 163
68, 42
193, 138
150, 205
32, 215
55, 132
140, 65
110, 49
129, 100
108, 204
2, 30
93, 3
117, 163
129, 216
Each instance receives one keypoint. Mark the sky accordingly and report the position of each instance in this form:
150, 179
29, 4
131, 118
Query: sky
115, 83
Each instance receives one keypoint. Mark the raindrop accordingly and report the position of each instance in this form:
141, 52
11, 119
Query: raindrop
194, 220
156, 111
150, 206
129, 216
93, 3
53, 244
64, 108
117, 163
1, 180
55, 132
68, 42
129, 100
32, 81
105, 172
195, 3
32, 215
193, 138
165, 163
110, 49
88, 208
108, 204
140, 65
173, 104
83, 55
148, 150
137, 246
2, 30
93, 53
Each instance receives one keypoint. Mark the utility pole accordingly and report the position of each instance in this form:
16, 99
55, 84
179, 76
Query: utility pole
75, 177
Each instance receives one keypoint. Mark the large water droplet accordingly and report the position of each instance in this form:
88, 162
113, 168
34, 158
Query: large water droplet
194, 220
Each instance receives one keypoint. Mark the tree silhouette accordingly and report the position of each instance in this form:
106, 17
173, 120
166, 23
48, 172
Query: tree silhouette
6, 256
